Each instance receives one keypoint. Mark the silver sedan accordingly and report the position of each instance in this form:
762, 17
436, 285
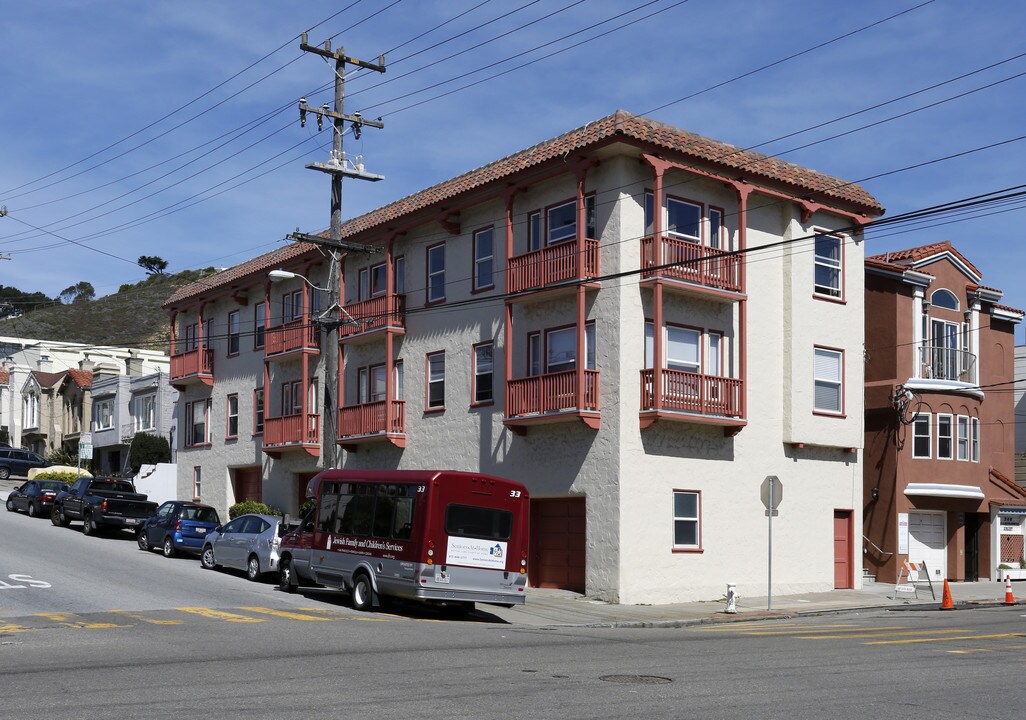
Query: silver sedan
249, 542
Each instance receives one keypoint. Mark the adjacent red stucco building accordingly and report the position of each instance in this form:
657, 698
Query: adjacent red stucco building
939, 448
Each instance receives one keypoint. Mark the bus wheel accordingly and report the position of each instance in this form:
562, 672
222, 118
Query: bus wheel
363, 593
287, 577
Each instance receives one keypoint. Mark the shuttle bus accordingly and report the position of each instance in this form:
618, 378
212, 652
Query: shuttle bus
436, 536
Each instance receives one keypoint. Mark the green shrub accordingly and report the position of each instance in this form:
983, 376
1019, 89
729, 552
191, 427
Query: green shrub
247, 507
307, 507
62, 456
148, 449
67, 477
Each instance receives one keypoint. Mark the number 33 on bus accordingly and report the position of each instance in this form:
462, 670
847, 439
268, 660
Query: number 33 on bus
442, 537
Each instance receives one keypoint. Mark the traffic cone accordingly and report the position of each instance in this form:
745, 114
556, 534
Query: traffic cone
1009, 598
946, 602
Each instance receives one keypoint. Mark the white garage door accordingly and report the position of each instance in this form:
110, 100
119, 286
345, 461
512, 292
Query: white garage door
926, 535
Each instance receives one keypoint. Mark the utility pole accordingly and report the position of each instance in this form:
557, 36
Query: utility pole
338, 167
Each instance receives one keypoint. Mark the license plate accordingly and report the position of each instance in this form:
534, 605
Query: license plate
442, 577
200, 531
131, 521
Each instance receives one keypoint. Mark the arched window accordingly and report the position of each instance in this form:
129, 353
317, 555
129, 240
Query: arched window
944, 299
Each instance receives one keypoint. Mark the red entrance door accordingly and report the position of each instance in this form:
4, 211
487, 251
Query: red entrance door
843, 578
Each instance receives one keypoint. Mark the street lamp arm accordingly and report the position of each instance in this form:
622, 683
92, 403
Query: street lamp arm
279, 275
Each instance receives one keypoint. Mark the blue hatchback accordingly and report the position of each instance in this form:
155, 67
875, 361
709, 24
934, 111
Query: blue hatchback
178, 527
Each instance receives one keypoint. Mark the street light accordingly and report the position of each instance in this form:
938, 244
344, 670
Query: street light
332, 357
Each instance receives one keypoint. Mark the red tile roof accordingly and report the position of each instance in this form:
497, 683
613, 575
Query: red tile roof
911, 256
620, 126
82, 378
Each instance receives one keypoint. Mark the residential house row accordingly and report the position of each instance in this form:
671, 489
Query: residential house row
639, 323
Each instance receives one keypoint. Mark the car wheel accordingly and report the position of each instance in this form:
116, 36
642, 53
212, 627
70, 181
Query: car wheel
287, 581
88, 526
207, 558
144, 542
253, 568
5, 473
10, 505
169, 548
363, 593
32, 512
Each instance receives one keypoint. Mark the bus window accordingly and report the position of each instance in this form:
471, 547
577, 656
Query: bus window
326, 514
344, 515
363, 514
403, 518
478, 522
383, 512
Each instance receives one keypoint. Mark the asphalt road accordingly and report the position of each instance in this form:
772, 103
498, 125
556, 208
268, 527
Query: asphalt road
108, 631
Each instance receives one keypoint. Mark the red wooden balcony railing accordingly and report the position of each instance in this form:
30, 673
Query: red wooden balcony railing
298, 429
550, 265
192, 362
369, 419
698, 264
375, 314
550, 393
693, 393
293, 335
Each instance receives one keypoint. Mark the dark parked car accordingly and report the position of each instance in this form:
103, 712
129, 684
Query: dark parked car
35, 497
178, 526
249, 542
14, 461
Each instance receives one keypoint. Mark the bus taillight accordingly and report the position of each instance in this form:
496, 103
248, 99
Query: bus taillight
430, 552
523, 562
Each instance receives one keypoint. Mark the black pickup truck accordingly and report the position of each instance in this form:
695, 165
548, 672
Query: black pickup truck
101, 503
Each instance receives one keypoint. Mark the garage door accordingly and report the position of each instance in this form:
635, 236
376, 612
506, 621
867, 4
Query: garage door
247, 485
926, 542
557, 544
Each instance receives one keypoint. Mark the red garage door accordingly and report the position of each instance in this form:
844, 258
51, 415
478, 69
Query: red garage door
247, 485
557, 543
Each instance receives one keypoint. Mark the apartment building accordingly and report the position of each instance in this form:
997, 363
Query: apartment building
639, 323
940, 418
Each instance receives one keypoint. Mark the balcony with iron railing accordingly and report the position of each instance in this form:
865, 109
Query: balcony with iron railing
192, 366
290, 338
369, 422
368, 317
552, 266
299, 431
552, 397
692, 267
948, 364
692, 397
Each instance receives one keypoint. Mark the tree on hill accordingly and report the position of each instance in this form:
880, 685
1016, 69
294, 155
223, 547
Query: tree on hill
81, 291
152, 264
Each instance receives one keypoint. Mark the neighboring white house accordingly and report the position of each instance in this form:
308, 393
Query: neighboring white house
22, 356
639, 323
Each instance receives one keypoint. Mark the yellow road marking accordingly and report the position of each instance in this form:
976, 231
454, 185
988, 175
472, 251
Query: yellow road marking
733, 627
968, 652
143, 618
75, 621
332, 615
946, 639
220, 615
13, 629
871, 633
815, 631
291, 615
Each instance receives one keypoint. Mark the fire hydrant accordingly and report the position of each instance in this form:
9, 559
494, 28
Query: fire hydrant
732, 597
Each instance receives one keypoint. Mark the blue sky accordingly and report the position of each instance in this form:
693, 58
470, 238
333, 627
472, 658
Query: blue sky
79, 76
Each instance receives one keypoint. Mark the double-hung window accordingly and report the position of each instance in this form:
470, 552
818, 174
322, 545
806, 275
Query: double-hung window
534, 231
963, 437
828, 366
561, 223
196, 425
399, 275
291, 306
378, 280
259, 323
146, 412
484, 259
683, 220
103, 415
686, 520
232, 415
258, 411
828, 262
974, 442
436, 273
561, 348
436, 381
233, 332
921, 436
945, 446
483, 369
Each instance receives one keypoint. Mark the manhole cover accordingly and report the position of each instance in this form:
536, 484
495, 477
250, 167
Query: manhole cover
636, 679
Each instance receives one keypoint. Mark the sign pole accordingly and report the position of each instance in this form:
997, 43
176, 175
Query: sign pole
769, 572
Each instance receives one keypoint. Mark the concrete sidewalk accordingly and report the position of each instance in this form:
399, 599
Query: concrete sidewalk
555, 608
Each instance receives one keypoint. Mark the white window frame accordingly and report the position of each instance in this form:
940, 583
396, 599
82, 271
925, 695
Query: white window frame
828, 382
698, 207
694, 520
435, 379
106, 404
942, 436
564, 233
922, 420
484, 264
232, 415
146, 411
436, 276
197, 481
234, 333
963, 438
829, 264
975, 439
